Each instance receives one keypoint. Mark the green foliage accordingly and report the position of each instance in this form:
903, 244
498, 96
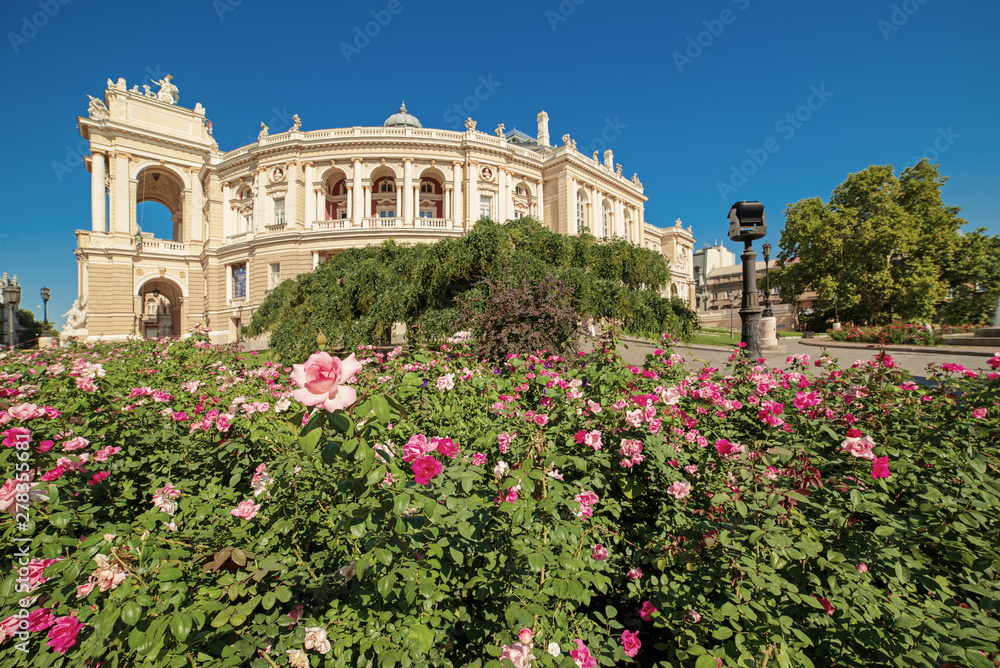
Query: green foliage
356, 296
761, 562
881, 245
974, 277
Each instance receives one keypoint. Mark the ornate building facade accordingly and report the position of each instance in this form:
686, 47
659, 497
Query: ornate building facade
246, 219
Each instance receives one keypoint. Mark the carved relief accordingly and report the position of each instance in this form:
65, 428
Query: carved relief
97, 110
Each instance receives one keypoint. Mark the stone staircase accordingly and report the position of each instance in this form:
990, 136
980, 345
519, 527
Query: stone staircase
984, 337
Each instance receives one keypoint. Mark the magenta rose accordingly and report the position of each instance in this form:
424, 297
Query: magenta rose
425, 468
321, 381
630, 643
880, 468
63, 633
647, 610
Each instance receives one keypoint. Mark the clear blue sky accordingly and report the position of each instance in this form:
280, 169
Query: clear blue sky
687, 92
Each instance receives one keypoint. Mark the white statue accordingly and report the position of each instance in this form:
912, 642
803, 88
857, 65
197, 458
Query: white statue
147, 92
76, 319
263, 132
168, 92
499, 131
470, 125
97, 110
296, 123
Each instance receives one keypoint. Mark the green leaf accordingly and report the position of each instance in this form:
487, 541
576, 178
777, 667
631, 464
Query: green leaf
902, 572
131, 612
905, 622
60, 520
884, 531
180, 625
283, 593
330, 451
340, 421
381, 408
170, 573
706, 661
422, 636
385, 585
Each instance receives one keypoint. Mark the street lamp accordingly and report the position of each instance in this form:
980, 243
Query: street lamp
11, 298
45, 312
767, 281
732, 300
746, 223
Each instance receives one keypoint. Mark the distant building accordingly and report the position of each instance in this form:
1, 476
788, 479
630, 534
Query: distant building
244, 220
720, 292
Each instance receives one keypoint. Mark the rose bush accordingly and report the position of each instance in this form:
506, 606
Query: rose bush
172, 504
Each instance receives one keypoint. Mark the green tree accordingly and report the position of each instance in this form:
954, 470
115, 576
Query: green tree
876, 248
29, 329
973, 275
357, 296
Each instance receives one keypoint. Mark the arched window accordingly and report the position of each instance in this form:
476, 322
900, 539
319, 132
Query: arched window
628, 224
581, 212
387, 186
606, 220
427, 186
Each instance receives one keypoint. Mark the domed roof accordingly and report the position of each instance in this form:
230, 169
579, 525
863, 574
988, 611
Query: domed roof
402, 118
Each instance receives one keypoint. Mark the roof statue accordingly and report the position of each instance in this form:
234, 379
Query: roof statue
263, 131
470, 125
499, 131
296, 123
97, 110
168, 92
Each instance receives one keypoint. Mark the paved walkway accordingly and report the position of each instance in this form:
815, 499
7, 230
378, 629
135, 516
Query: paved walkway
914, 359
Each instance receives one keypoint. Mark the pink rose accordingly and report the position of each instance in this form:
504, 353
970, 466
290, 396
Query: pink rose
880, 468
321, 381
25, 411
246, 510
858, 446
479, 459
826, 604
63, 633
679, 489
446, 447
104, 454
862, 567
85, 589
519, 655
630, 643
417, 446
41, 619
425, 468
634, 573
693, 616
581, 656
600, 553
503, 441
525, 635
75, 444
979, 413
647, 610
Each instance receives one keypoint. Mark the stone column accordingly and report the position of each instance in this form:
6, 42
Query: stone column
228, 223
350, 203
310, 211
197, 206
619, 216
501, 195
447, 202
360, 193
399, 201
121, 185
315, 259
368, 204
259, 215
456, 192
415, 207
407, 192
540, 200
572, 225
98, 205
596, 213
291, 196
473, 185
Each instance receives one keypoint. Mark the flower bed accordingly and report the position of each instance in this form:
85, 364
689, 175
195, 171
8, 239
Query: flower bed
178, 507
904, 334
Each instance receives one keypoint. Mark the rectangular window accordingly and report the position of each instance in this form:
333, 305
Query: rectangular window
279, 211
486, 206
273, 275
239, 281
387, 213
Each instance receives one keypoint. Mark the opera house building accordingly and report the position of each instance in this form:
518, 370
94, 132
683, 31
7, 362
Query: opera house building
246, 219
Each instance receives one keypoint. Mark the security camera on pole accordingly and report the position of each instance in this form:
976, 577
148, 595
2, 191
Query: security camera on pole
746, 223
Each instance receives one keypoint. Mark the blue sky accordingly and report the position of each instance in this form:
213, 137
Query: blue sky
710, 102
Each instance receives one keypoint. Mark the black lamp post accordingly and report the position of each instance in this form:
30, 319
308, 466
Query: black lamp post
45, 312
732, 300
746, 223
11, 298
768, 313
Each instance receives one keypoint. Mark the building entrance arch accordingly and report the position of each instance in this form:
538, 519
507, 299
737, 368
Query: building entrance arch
159, 309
